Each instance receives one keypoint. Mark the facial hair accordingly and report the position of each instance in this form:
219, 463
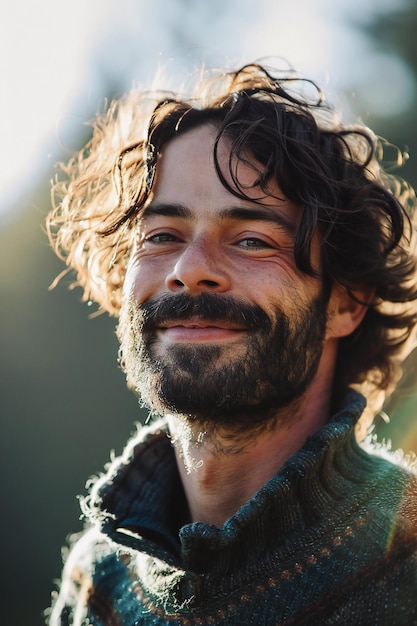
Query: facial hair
240, 385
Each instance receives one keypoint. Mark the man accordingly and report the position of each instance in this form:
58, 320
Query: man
263, 269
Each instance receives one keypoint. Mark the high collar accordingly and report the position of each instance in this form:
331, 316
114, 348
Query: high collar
140, 502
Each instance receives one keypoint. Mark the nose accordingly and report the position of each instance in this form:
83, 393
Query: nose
198, 269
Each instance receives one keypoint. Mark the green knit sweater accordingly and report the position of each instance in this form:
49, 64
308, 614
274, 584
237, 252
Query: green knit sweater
330, 539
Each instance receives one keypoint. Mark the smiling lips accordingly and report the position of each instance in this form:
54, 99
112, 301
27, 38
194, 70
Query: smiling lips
198, 330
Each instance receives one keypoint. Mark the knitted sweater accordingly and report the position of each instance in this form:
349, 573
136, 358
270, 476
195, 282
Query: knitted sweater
330, 539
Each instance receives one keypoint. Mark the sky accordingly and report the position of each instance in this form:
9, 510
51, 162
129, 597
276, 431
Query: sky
57, 59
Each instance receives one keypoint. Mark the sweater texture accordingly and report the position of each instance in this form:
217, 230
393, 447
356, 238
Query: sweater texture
331, 539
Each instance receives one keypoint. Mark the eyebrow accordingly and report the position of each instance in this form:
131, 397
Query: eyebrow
260, 213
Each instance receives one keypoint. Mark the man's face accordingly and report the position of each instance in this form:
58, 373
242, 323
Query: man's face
218, 323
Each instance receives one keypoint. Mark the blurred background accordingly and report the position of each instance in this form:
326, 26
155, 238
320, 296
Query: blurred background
64, 405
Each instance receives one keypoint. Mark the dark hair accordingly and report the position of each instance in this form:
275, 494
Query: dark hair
332, 171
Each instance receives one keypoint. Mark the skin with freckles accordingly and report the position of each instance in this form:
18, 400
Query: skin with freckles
213, 300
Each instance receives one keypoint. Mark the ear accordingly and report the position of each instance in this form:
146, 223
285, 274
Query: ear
346, 310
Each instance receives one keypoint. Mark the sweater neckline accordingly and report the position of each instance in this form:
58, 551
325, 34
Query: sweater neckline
140, 502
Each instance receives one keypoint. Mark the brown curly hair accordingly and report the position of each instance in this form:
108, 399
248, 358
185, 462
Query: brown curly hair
363, 214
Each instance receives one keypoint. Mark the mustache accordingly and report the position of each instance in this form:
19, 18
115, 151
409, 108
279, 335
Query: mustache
208, 306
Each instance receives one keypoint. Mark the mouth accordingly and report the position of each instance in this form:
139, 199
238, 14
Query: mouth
199, 331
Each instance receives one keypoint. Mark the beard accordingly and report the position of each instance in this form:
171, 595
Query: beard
241, 385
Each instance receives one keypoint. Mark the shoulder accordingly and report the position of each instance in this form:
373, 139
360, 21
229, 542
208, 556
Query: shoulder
70, 602
91, 547
394, 488
397, 469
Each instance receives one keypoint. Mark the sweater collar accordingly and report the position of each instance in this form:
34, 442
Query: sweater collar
140, 502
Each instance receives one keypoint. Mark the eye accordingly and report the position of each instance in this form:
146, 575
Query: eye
160, 238
253, 243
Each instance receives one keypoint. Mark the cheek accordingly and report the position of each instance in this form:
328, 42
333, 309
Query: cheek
284, 295
272, 277
144, 278
135, 280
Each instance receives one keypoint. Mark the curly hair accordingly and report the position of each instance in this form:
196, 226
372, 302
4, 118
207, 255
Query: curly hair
364, 215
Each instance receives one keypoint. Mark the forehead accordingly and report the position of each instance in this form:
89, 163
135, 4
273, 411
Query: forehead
186, 176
